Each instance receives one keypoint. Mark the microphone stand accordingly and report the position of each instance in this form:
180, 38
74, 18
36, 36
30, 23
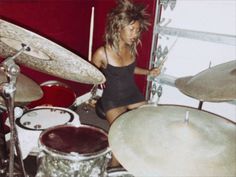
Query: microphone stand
7, 91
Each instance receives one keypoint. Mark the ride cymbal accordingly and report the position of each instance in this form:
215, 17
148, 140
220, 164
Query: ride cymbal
215, 84
46, 56
174, 141
26, 89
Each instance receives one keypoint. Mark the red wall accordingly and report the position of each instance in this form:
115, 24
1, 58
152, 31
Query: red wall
67, 23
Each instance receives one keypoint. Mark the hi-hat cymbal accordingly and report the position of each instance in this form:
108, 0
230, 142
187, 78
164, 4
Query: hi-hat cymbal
170, 140
46, 56
214, 84
26, 89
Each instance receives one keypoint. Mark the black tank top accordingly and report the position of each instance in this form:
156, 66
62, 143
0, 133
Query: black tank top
121, 88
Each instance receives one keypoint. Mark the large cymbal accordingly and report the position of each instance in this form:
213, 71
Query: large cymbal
174, 141
26, 89
214, 84
46, 56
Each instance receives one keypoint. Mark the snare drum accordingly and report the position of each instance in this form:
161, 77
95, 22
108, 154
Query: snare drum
56, 94
69, 151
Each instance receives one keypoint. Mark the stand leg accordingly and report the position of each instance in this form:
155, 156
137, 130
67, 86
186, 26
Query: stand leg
14, 141
200, 105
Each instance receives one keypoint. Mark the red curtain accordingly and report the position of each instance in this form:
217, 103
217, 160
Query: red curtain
67, 23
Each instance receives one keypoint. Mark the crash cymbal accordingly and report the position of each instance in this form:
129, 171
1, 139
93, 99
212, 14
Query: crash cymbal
26, 89
46, 56
214, 84
170, 140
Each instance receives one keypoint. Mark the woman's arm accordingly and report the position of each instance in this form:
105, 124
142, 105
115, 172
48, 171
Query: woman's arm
141, 71
99, 58
151, 72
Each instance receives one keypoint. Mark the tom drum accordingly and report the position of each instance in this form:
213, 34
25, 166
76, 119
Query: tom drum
69, 151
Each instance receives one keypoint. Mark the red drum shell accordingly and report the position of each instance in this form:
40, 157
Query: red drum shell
4, 128
56, 94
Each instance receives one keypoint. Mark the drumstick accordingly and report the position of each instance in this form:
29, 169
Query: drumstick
91, 35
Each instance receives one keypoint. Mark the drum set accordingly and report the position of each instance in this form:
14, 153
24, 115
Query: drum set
162, 140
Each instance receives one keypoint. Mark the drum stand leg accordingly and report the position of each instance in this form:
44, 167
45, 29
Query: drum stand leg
14, 142
7, 91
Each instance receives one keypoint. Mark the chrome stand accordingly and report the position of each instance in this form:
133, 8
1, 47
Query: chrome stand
7, 91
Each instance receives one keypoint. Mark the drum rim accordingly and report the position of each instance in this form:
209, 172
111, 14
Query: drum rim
74, 156
54, 82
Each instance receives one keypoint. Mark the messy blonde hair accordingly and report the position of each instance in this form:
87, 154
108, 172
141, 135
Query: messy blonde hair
124, 14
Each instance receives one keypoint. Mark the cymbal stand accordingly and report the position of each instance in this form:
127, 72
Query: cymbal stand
201, 102
7, 91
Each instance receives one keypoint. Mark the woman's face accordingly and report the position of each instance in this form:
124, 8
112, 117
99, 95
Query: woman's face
130, 33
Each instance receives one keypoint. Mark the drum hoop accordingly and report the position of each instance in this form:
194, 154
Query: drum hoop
75, 155
40, 108
54, 83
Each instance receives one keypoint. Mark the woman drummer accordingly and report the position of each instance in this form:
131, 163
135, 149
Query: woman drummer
116, 59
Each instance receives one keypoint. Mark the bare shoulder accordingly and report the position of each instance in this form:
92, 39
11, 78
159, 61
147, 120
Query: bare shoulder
99, 57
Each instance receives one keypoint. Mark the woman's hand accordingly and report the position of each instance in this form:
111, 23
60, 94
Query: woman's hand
154, 71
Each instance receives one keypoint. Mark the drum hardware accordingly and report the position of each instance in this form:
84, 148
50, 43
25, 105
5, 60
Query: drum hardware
92, 100
165, 3
46, 56
160, 59
216, 84
171, 140
155, 91
8, 90
200, 105
159, 92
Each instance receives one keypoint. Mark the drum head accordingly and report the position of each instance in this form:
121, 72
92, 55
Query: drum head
83, 140
42, 118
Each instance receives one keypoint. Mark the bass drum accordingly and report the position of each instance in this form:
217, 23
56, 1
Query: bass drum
56, 94
118, 172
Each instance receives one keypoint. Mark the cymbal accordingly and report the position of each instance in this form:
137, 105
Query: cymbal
170, 140
46, 56
214, 84
26, 89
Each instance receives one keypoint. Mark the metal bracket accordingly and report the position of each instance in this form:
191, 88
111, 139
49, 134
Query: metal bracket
171, 3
